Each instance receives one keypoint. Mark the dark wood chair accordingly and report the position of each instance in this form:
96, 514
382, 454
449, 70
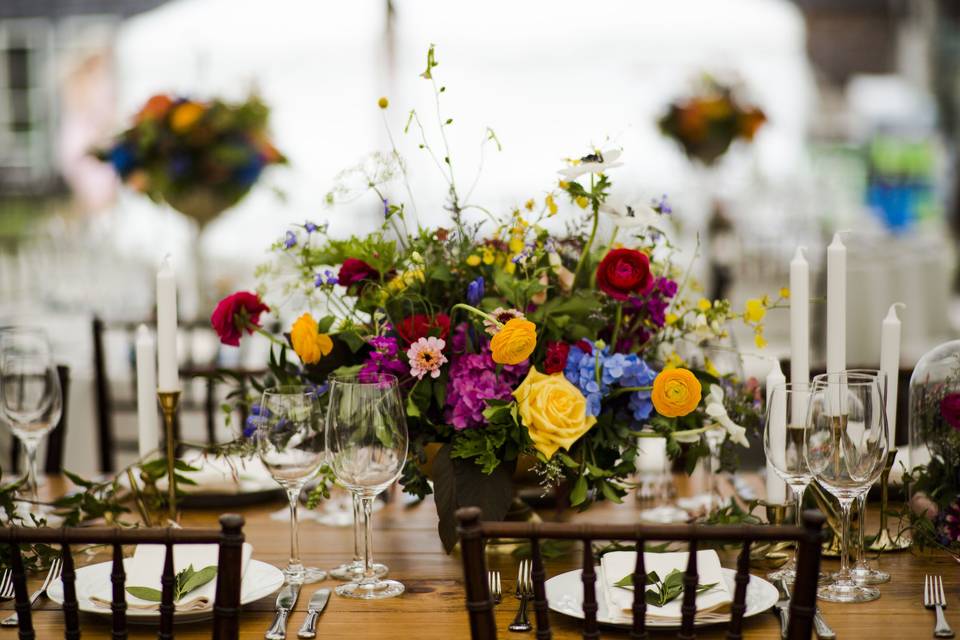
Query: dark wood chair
473, 532
53, 462
191, 368
226, 609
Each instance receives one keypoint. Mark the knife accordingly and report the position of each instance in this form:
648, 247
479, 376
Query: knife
783, 612
285, 602
820, 626
317, 604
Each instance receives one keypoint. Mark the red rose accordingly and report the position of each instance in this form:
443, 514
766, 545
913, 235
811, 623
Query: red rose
412, 328
556, 358
950, 409
584, 346
236, 313
624, 271
353, 271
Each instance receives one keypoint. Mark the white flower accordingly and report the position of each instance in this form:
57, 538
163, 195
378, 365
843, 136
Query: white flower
640, 216
718, 412
594, 163
689, 436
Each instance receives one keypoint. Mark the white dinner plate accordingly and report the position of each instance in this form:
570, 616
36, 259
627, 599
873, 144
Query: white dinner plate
259, 580
565, 595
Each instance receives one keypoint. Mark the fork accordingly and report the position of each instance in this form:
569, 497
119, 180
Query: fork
53, 574
820, 626
6, 585
934, 598
521, 623
493, 582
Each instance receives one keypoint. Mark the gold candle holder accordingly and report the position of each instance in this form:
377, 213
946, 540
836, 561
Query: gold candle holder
169, 401
885, 541
772, 555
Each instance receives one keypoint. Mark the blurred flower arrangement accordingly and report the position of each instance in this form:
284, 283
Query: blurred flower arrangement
509, 341
199, 157
706, 123
933, 513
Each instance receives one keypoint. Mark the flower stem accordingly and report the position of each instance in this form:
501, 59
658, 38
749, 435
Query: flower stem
616, 327
474, 311
593, 234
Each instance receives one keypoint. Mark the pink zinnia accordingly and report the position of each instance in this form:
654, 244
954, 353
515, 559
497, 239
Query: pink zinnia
426, 356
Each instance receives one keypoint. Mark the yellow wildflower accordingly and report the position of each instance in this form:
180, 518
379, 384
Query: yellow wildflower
488, 257
674, 361
564, 184
755, 310
759, 340
529, 204
404, 280
551, 204
671, 319
510, 267
784, 292
703, 304
710, 368
582, 201
383, 103
473, 260
516, 244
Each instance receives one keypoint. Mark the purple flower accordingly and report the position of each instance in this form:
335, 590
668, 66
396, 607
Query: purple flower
662, 206
326, 278
290, 240
474, 380
383, 359
386, 208
309, 226
475, 291
254, 420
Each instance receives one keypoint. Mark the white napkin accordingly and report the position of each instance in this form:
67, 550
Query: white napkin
228, 475
145, 569
713, 604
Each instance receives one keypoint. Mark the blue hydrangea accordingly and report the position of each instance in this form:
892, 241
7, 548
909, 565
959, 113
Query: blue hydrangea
596, 372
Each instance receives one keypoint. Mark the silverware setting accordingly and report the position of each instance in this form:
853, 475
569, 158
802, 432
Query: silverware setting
935, 598
524, 592
782, 609
6, 585
285, 603
52, 574
496, 590
317, 604
820, 626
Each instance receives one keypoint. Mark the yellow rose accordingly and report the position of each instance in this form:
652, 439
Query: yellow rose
676, 392
185, 116
308, 343
515, 341
553, 411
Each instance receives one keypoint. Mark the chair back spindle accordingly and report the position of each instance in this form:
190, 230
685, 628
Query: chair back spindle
688, 609
168, 581
591, 629
22, 597
118, 603
639, 629
71, 608
227, 604
540, 607
739, 606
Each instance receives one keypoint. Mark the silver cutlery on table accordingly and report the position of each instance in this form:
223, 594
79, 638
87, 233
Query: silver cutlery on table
782, 609
317, 604
285, 603
493, 582
53, 574
820, 626
6, 585
934, 598
524, 591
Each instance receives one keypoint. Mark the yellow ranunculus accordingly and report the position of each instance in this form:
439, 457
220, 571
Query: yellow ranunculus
473, 260
553, 410
755, 310
185, 115
515, 341
676, 392
308, 343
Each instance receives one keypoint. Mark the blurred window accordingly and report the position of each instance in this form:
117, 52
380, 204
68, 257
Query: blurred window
24, 97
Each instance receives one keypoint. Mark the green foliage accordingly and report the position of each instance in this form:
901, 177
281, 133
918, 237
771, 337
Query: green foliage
661, 591
187, 580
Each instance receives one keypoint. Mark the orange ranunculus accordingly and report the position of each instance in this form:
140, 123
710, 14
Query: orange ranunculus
155, 108
514, 342
676, 392
308, 343
185, 115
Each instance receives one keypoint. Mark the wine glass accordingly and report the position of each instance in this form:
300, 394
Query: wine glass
367, 439
32, 402
291, 443
862, 571
784, 434
846, 448
353, 570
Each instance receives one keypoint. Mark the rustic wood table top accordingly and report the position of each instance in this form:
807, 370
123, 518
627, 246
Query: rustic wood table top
432, 607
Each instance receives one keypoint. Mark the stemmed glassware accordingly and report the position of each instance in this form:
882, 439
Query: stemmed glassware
291, 444
353, 570
367, 439
846, 448
784, 435
31, 399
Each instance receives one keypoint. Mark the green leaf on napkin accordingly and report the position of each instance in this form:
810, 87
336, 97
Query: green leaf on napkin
660, 592
186, 581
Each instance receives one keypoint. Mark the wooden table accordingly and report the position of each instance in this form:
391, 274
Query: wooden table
433, 605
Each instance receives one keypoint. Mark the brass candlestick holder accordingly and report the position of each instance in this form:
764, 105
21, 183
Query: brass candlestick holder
885, 541
776, 554
169, 401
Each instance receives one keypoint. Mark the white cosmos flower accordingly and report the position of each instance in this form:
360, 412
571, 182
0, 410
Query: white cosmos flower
718, 412
594, 163
634, 217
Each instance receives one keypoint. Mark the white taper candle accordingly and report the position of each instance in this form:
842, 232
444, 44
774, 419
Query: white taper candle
168, 378
148, 432
890, 365
776, 487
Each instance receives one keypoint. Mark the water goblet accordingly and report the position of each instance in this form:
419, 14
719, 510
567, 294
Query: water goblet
367, 439
846, 448
291, 443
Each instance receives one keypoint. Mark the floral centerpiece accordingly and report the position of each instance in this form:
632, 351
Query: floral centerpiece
199, 157
706, 124
510, 341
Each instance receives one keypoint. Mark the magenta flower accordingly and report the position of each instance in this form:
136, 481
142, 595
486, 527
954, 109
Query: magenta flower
384, 359
950, 409
473, 381
426, 356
